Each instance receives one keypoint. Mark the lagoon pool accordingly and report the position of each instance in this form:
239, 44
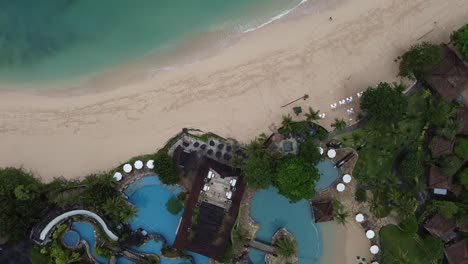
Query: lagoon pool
86, 232
328, 175
149, 195
272, 211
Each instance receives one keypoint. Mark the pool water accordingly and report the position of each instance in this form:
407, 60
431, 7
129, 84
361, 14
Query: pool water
71, 238
328, 175
272, 211
149, 195
86, 232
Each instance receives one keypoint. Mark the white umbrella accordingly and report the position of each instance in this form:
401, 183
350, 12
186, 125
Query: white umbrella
138, 164
347, 178
321, 150
229, 195
206, 188
370, 234
374, 249
233, 182
340, 187
150, 164
331, 153
359, 218
127, 168
374, 262
118, 176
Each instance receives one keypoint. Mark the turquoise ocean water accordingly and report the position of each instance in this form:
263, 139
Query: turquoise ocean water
53, 40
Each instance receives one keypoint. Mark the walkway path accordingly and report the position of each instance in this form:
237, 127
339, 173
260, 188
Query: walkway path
262, 246
46, 231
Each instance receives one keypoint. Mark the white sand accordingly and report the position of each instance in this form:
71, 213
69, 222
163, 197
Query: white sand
342, 244
236, 93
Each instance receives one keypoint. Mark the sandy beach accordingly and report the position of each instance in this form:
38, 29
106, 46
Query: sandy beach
236, 93
343, 244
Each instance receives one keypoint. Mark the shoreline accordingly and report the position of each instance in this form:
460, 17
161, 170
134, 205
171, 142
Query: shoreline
236, 92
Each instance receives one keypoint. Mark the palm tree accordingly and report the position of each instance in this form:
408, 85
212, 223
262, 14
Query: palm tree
339, 213
119, 210
312, 115
339, 124
287, 124
286, 248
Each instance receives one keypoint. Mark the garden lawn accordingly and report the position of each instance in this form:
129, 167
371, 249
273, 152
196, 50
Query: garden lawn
418, 251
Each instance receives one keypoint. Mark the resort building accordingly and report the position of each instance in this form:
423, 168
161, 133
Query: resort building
442, 146
441, 184
450, 78
211, 209
441, 228
457, 253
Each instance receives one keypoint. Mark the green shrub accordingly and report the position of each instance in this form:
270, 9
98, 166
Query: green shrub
461, 148
446, 209
165, 168
409, 225
411, 167
174, 206
360, 195
463, 177
460, 39
182, 196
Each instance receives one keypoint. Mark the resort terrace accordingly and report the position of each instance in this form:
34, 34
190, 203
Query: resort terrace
209, 215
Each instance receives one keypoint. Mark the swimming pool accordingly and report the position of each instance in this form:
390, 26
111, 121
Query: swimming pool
328, 175
86, 232
149, 195
71, 238
272, 211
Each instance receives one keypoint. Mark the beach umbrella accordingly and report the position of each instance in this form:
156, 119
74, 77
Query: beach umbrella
347, 178
359, 218
321, 150
374, 262
370, 234
150, 164
340, 187
127, 168
229, 195
233, 182
138, 164
118, 176
331, 153
374, 249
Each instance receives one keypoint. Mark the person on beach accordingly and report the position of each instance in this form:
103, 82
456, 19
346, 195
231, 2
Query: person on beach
331, 18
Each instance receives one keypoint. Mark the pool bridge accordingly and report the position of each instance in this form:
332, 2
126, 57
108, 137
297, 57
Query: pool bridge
264, 247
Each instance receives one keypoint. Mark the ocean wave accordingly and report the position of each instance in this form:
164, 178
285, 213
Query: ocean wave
273, 19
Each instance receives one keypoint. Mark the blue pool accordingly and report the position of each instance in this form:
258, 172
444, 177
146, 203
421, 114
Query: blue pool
86, 232
272, 211
150, 197
328, 175
71, 238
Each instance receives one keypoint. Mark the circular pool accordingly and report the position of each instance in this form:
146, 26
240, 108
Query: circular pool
328, 175
71, 239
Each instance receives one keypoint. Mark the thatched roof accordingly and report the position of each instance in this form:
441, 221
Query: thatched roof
450, 79
438, 180
462, 116
457, 253
441, 227
323, 210
442, 146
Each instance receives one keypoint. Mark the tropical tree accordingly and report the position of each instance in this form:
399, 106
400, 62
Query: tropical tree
460, 39
165, 167
21, 201
287, 124
259, 168
286, 248
296, 178
119, 210
385, 103
309, 151
312, 115
411, 167
401, 257
420, 60
99, 188
339, 124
